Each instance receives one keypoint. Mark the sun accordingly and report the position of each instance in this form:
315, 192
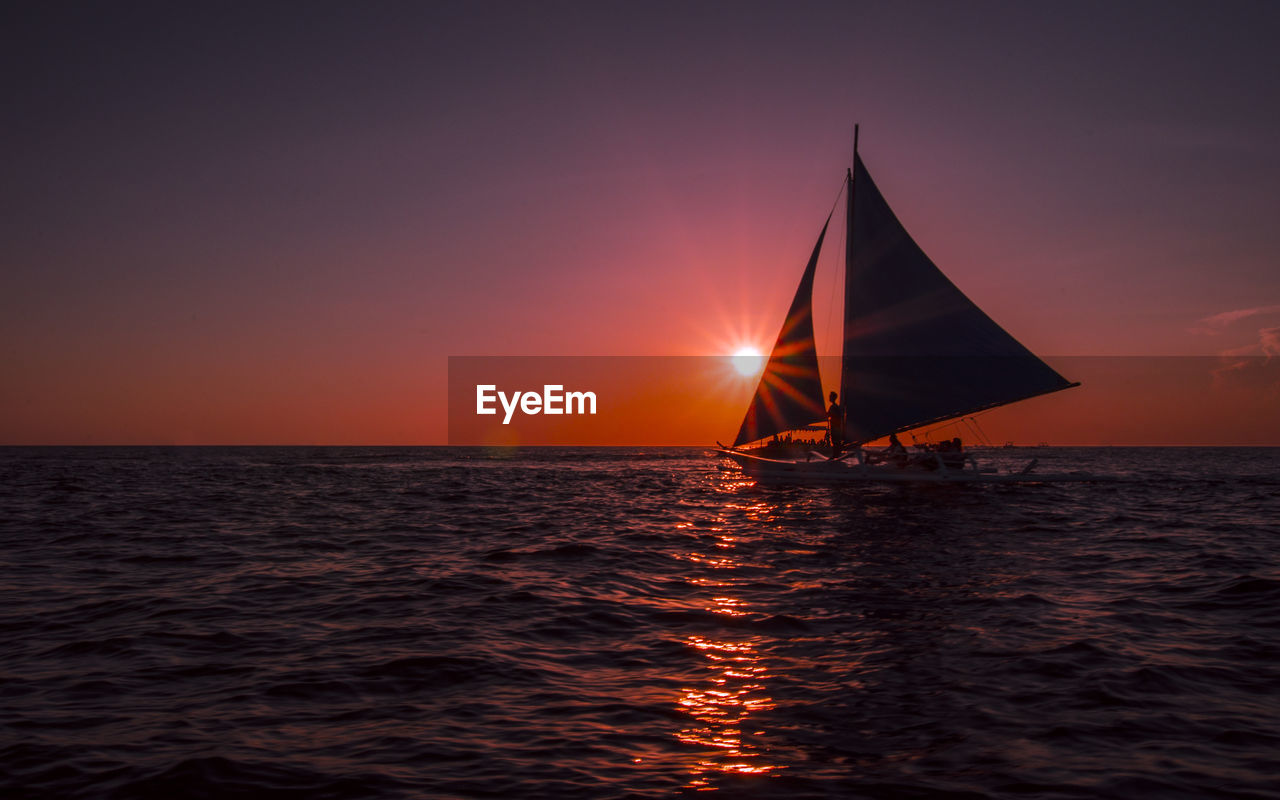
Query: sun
748, 361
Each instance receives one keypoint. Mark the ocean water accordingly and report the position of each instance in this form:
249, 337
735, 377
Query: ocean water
609, 623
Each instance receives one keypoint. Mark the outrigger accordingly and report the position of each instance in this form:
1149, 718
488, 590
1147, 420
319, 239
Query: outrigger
862, 466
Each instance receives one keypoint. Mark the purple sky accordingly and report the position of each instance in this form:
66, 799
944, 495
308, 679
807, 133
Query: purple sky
237, 224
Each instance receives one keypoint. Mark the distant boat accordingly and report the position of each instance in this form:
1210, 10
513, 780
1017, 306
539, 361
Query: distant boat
916, 352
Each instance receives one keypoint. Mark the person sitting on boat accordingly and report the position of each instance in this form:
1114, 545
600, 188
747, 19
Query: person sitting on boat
835, 426
896, 453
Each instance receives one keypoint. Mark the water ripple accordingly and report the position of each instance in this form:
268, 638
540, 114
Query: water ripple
380, 622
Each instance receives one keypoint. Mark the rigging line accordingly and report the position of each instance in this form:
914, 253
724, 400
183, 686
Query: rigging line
973, 418
831, 296
942, 427
978, 425
831, 300
982, 435
974, 432
837, 200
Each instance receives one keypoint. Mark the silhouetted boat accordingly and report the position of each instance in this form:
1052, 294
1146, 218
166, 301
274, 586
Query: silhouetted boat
916, 352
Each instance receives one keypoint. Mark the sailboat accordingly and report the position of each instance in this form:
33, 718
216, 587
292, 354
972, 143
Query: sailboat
916, 353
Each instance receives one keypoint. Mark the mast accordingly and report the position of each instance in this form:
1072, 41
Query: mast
848, 234
843, 383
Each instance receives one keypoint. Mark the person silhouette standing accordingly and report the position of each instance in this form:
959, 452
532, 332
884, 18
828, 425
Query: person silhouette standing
835, 426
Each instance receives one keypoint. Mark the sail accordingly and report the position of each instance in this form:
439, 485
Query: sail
789, 395
916, 350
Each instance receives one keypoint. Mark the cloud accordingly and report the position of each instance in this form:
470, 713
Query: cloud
1252, 364
1268, 344
1215, 323
1269, 341
1250, 360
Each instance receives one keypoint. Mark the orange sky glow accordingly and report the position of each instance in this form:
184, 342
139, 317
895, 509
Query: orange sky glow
675, 401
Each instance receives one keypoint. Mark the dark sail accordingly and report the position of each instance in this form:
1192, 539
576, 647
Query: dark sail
789, 395
916, 350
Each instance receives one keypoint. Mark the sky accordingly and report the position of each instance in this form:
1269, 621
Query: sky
237, 224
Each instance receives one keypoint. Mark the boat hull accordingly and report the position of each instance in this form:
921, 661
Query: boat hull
819, 469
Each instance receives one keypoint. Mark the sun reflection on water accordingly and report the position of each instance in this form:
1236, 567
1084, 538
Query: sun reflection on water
720, 708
